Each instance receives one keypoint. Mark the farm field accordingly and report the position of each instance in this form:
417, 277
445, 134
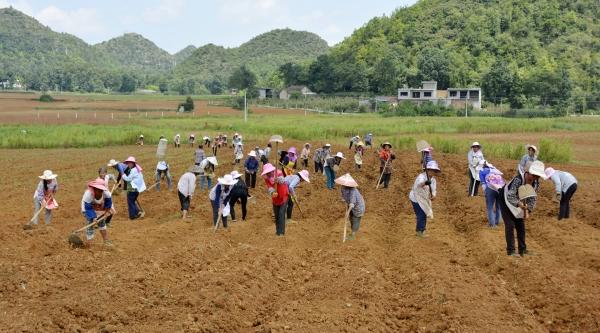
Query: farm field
167, 275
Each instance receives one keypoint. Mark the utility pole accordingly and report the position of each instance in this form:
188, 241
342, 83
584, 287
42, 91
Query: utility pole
245, 108
500, 104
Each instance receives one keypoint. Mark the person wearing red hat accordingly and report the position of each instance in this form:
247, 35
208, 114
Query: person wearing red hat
96, 201
134, 180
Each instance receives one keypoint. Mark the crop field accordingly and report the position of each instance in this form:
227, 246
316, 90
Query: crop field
164, 275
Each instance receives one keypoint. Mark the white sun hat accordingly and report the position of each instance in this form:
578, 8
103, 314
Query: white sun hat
235, 174
227, 180
252, 153
112, 163
532, 147
346, 180
304, 175
47, 175
433, 165
212, 160
537, 168
475, 144
340, 155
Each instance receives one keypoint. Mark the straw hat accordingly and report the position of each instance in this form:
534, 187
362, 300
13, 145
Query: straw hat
532, 146
98, 184
162, 165
227, 180
475, 144
526, 191
195, 169
386, 144
537, 168
340, 155
433, 165
346, 180
304, 175
130, 159
47, 175
235, 174
327, 145
267, 168
360, 143
112, 163
549, 172
141, 135
212, 160
252, 153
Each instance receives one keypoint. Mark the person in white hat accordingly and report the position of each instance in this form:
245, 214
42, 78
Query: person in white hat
207, 140
140, 140
529, 157
565, 186
208, 171
424, 190
120, 167
515, 210
250, 169
134, 183
358, 155
386, 156
369, 139
186, 187
44, 196
305, 155
473, 157
332, 163
353, 141
192, 139
491, 182
177, 140
238, 153
219, 198
293, 181
162, 169
199, 155
97, 200
239, 193
354, 200
319, 158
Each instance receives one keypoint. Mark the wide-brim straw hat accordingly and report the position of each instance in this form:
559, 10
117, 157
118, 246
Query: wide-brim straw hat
99, 184
537, 168
112, 163
549, 172
532, 146
526, 191
47, 175
327, 145
475, 144
130, 159
227, 180
433, 165
195, 169
340, 155
212, 160
386, 144
304, 175
252, 153
267, 168
235, 174
360, 143
346, 180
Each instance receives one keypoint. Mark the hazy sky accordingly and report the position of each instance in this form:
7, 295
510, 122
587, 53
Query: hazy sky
174, 24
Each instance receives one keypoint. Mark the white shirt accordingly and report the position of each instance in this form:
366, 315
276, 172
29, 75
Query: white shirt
137, 180
187, 184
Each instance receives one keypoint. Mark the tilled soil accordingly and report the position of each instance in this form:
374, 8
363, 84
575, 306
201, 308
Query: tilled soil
164, 275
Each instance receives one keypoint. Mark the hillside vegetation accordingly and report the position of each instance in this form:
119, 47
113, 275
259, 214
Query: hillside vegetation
138, 53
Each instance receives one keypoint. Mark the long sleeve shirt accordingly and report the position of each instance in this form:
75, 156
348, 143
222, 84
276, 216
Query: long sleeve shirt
512, 193
420, 183
251, 164
219, 195
351, 195
40, 194
187, 184
199, 156
90, 205
304, 154
526, 158
292, 182
562, 181
136, 180
473, 159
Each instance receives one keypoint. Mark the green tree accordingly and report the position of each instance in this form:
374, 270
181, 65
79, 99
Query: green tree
434, 65
242, 78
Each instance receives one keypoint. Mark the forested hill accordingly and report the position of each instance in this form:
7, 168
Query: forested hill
138, 53
262, 55
516, 49
184, 53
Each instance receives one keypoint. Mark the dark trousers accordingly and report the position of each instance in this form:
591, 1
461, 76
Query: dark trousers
354, 222
385, 179
510, 225
290, 208
184, 201
330, 173
473, 185
251, 179
215, 208
318, 167
244, 200
421, 216
132, 206
565, 201
279, 212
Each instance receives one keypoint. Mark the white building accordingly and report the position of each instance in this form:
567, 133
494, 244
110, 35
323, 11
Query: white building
454, 97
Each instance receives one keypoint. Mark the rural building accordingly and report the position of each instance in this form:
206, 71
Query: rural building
290, 91
264, 93
454, 97
4, 83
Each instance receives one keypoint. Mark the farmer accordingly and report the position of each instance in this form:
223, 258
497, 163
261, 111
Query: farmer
219, 198
199, 155
236, 139
565, 186
207, 140
292, 182
386, 156
44, 196
120, 167
224, 140
369, 140
95, 203
106, 177
162, 169
318, 159
216, 145
358, 154
422, 194
238, 153
239, 192
354, 200
267, 154
208, 171
491, 182
186, 187
192, 139
332, 164
278, 190
473, 157
514, 210
134, 182
251, 168
304, 155
531, 156
290, 162
177, 140
355, 140
140, 140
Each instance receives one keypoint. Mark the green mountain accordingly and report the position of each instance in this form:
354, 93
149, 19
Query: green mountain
262, 55
524, 51
138, 53
184, 53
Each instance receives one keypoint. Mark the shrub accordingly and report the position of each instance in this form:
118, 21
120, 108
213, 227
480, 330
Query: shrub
188, 105
46, 98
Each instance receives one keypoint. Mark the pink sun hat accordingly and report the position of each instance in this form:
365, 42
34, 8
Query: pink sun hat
132, 159
304, 175
98, 183
267, 168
